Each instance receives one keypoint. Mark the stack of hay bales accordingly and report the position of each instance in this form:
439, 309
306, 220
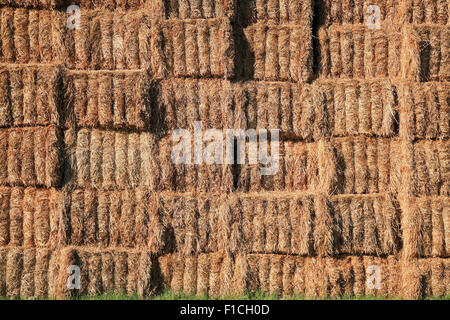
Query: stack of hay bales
134, 80
86, 118
31, 142
389, 96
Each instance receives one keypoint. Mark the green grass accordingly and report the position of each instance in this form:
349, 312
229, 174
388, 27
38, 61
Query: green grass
251, 296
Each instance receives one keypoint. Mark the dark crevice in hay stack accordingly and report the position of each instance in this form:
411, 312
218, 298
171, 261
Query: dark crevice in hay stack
319, 19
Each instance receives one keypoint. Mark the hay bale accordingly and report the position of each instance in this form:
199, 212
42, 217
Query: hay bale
276, 275
288, 273
359, 159
173, 35
180, 9
268, 53
129, 106
41, 162
34, 98
301, 166
413, 284
14, 271
3, 259
425, 110
145, 285
424, 227
94, 287
215, 274
106, 167
284, 226
5, 194
352, 107
41, 275
240, 275
27, 286
324, 235
7, 29
176, 284
355, 12
428, 169
437, 282
274, 12
431, 40
42, 218
368, 54
133, 273
264, 273
203, 271
359, 283
53, 274
107, 272
120, 272
301, 215
190, 275
16, 217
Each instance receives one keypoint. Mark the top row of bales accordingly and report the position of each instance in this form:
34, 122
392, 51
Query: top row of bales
215, 48
390, 11
244, 12
248, 12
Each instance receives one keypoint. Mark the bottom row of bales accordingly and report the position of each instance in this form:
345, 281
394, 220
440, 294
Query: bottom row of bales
40, 273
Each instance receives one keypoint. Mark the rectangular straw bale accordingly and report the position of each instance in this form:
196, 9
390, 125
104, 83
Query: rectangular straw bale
301, 162
324, 233
274, 12
42, 278
40, 163
359, 159
108, 41
181, 9
145, 281
425, 110
14, 272
106, 159
368, 225
425, 227
433, 54
184, 101
269, 56
425, 12
3, 259
177, 37
133, 272
372, 56
429, 172
16, 217
7, 29
27, 286
354, 104
355, 12
302, 220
